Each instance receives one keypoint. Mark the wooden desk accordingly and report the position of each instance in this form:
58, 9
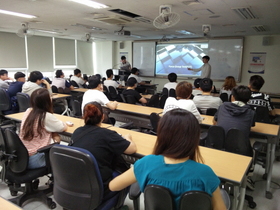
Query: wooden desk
277, 111
147, 96
7, 205
80, 90
59, 96
275, 100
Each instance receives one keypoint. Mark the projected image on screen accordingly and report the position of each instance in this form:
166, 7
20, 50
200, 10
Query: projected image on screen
178, 58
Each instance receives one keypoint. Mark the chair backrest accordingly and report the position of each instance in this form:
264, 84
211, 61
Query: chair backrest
154, 101
130, 99
224, 97
211, 111
162, 101
164, 91
158, 198
113, 92
172, 93
5, 102
236, 142
74, 83
77, 108
216, 137
23, 101
14, 146
195, 200
262, 114
77, 180
54, 89
123, 98
154, 119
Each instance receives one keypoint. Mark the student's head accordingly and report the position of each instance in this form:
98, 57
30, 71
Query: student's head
241, 93
206, 84
109, 73
123, 59
256, 82
178, 135
131, 82
94, 82
229, 83
196, 82
172, 77
205, 59
20, 77
93, 113
99, 76
134, 70
40, 100
35, 76
183, 90
3, 74
77, 72
59, 74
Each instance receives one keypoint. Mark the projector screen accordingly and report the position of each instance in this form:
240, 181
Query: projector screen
178, 57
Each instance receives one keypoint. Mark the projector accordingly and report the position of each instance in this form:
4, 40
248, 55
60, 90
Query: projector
122, 33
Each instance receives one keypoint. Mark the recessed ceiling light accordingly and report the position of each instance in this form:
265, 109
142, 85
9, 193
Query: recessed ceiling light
90, 3
16, 14
185, 32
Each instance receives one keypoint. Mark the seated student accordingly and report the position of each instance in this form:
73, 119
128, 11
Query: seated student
228, 85
95, 93
172, 77
4, 76
39, 126
132, 84
135, 73
257, 98
183, 93
16, 87
34, 81
109, 81
196, 91
78, 78
205, 101
60, 82
105, 145
236, 114
176, 162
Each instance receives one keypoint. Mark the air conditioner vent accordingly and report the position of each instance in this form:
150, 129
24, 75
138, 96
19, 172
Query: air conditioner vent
259, 28
113, 20
245, 13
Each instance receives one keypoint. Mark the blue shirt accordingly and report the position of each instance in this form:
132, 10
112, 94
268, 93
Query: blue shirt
178, 178
14, 88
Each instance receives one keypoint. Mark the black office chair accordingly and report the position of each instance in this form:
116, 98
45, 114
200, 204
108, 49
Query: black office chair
154, 119
113, 92
154, 101
5, 103
106, 92
74, 84
77, 181
23, 101
224, 97
216, 137
211, 111
262, 114
15, 171
172, 93
76, 106
195, 200
123, 98
162, 101
54, 89
164, 91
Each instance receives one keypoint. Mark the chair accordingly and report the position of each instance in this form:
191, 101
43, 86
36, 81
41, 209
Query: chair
211, 111
154, 119
77, 112
123, 98
23, 101
114, 94
154, 101
106, 92
74, 84
216, 137
262, 114
5, 103
77, 180
55, 89
162, 101
164, 91
224, 97
172, 93
15, 171
195, 200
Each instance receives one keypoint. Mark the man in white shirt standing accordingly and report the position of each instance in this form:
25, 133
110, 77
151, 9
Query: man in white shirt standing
205, 68
78, 78
172, 77
109, 81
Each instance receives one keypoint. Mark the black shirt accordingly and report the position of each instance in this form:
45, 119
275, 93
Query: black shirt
133, 93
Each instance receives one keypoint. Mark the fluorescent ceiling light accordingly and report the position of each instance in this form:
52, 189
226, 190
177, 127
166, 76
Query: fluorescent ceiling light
90, 3
46, 31
185, 32
16, 14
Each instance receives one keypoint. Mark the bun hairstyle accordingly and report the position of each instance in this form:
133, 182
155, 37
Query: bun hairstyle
93, 113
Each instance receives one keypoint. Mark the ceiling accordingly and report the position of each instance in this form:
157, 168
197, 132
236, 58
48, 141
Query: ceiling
72, 20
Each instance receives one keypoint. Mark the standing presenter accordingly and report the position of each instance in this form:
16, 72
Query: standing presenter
205, 68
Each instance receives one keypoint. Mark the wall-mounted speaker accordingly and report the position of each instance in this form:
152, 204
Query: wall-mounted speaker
121, 45
266, 41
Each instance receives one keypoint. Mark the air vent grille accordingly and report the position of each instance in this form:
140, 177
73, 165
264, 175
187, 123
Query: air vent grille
245, 13
259, 28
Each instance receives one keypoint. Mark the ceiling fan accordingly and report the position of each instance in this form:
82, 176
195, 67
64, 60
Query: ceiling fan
25, 31
166, 18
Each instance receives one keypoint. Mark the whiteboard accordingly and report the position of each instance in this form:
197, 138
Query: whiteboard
144, 57
225, 58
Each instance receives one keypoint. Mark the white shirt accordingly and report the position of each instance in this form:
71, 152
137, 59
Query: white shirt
94, 95
109, 82
171, 85
58, 82
4, 84
136, 77
125, 66
205, 70
196, 92
172, 103
78, 80
203, 102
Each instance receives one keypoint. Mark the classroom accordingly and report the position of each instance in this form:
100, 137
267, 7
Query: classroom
75, 38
